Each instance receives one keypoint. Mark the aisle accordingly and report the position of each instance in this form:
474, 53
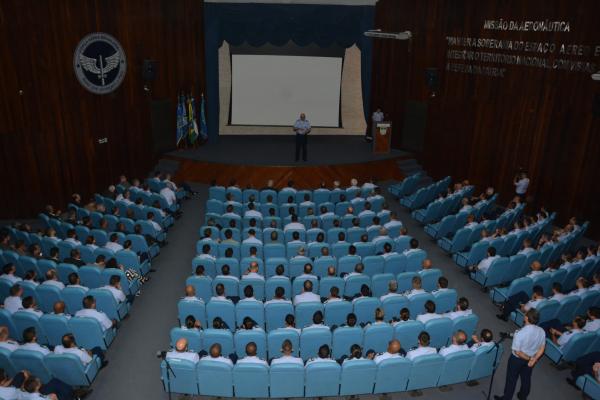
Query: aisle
133, 370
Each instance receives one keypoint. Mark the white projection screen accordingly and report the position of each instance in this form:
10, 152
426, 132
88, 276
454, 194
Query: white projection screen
272, 90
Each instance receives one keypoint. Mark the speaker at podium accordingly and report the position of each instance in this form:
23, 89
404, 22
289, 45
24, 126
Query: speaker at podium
382, 137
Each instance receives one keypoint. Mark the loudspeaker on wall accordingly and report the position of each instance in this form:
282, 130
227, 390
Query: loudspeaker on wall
149, 70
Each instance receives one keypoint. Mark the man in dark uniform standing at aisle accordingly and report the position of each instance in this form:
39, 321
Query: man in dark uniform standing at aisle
302, 129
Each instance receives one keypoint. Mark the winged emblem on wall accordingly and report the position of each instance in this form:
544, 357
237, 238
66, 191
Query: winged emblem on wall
100, 67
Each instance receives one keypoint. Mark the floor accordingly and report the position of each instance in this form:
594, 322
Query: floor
133, 372
267, 150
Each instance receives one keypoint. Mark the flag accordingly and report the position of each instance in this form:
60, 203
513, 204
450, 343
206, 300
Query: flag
192, 126
203, 128
181, 120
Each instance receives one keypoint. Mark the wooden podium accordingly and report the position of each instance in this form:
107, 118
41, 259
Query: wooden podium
382, 137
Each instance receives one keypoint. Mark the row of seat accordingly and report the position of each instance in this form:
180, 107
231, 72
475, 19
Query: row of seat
394, 264
355, 377
272, 315
589, 385
439, 208
331, 235
265, 289
425, 195
318, 196
508, 269
405, 187
127, 258
307, 343
66, 367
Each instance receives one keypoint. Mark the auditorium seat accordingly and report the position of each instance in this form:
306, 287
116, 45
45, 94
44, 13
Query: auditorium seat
336, 312
344, 337
286, 381
425, 372
456, 367
311, 340
322, 379
392, 375
215, 378
89, 333
407, 333
69, 369
357, 377
252, 309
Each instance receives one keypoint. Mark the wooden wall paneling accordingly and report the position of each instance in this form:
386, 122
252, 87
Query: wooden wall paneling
48, 136
484, 128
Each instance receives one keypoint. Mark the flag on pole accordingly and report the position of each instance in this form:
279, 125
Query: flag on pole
203, 128
181, 120
192, 126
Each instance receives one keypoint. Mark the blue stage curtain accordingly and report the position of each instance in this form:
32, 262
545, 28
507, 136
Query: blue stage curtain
277, 24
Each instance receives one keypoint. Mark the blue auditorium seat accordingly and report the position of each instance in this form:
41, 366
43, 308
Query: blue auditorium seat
440, 331
305, 312
275, 314
275, 339
322, 379
89, 333
286, 381
6, 362
214, 378
193, 337
69, 369
32, 361
364, 308
357, 377
445, 300
344, 337
407, 333
48, 295
377, 337
485, 361
24, 320
183, 378
222, 336
242, 337
457, 367
251, 380
425, 372
311, 340
336, 312
392, 375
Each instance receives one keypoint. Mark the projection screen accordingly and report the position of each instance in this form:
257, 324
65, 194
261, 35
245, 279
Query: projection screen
272, 90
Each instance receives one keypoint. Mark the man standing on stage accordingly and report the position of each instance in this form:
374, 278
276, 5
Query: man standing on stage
302, 128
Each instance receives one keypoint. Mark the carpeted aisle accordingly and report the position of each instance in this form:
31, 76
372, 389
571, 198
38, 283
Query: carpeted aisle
133, 370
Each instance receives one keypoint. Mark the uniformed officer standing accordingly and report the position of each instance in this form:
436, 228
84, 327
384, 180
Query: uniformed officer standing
527, 348
302, 128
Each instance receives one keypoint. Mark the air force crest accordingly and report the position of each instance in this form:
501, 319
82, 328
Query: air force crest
99, 63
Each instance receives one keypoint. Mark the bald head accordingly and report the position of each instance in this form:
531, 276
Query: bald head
59, 307
427, 264
215, 350
190, 291
536, 266
460, 337
181, 345
251, 349
394, 346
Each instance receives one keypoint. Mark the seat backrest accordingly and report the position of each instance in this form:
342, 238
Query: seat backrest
6, 320
336, 312
32, 361
193, 337
215, 378
275, 339
251, 380
286, 381
24, 320
222, 336
88, 332
73, 297
425, 372
373, 265
48, 295
415, 259
354, 283
90, 276
242, 337
343, 338
311, 340
457, 367
182, 378
392, 375
377, 337
364, 308
223, 309
407, 333
305, 312
275, 314
466, 323
440, 331
567, 309
417, 303
357, 377
6, 362
445, 300
191, 307
322, 379
67, 368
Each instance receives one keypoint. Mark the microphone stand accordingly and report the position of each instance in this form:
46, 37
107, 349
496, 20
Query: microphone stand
168, 365
497, 348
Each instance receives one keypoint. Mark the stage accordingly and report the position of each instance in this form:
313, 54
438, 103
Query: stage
252, 160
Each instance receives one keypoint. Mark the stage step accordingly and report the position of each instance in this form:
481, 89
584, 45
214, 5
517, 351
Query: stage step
165, 165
